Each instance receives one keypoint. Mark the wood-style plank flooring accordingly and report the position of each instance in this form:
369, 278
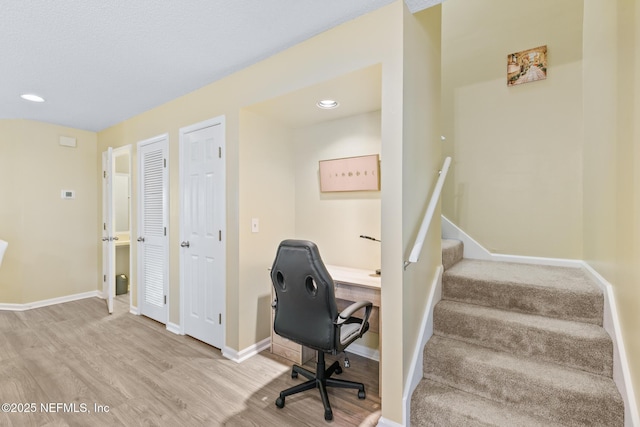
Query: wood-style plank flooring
71, 360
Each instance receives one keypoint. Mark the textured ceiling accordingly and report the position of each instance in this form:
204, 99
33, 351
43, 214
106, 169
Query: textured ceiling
99, 62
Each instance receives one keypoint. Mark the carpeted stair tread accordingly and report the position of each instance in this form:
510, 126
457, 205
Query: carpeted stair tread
578, 345
452, 251
543, 389
559, 292
437, 405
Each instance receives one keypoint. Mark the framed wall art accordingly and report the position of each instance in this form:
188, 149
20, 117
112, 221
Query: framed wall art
527, 66
360, 173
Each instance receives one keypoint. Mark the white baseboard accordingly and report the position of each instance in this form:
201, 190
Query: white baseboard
383, 422
621, 374
174, 328
474, 250
242, 355
425, 333
134, 310
51, 301
364, 351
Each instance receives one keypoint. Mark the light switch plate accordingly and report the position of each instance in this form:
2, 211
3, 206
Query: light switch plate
255, 225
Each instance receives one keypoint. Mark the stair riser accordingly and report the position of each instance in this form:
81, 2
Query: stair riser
522, 390
452, 252
434, 404
555, 303
591, 354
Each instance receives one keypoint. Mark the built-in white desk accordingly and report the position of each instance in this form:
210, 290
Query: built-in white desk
351, 285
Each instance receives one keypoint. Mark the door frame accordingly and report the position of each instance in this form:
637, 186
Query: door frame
215, 121
166, 207
126, 149
109, 162
106, 233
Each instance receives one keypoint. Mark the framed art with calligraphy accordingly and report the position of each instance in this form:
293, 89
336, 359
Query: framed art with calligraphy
360, 173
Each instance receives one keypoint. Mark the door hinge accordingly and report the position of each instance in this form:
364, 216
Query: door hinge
104, 225
165, 231
220, 235
104, 278
165, 162
219, 318
219, 152
165, 300
104, 174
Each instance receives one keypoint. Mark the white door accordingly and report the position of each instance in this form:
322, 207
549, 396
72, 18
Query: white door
153, 208
202, 230
108, 246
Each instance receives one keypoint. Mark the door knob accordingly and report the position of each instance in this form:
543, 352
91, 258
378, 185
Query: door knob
115, 238
105, 239
185, 244
140, 239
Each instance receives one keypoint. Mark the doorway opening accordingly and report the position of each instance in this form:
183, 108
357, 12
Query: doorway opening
122, 226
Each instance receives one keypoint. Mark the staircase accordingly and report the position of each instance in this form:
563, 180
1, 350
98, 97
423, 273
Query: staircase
516, 345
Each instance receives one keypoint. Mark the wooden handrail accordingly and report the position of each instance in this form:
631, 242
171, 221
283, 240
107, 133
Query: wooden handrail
428, 215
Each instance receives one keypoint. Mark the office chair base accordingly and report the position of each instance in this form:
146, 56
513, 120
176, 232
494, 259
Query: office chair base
321, 379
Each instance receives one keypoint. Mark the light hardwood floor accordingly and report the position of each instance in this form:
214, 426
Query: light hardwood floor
77, 354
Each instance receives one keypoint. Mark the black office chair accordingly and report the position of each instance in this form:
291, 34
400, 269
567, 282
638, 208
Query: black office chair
306, 313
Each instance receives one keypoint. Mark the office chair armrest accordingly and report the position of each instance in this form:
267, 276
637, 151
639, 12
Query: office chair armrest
349, 311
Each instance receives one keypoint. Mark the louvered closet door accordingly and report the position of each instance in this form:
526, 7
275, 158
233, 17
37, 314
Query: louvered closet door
153, 253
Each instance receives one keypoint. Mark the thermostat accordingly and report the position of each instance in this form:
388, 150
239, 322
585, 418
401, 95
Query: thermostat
68, 194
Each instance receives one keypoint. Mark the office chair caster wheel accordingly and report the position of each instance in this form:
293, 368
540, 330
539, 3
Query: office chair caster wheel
328, 415
338, 370
280, 402
361, 394
294, 374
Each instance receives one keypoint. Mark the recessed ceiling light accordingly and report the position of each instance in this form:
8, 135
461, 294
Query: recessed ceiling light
327, 104
32, 97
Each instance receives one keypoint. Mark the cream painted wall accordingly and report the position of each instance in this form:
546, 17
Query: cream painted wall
333, 53
267, 192
421, 161
515, 184
334, 221
612, 158
53, 245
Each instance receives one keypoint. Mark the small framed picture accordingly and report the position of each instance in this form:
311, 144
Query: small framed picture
527, 66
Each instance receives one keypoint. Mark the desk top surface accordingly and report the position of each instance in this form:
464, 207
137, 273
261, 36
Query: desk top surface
354, 276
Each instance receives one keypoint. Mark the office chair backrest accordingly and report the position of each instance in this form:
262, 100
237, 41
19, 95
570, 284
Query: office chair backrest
306, 306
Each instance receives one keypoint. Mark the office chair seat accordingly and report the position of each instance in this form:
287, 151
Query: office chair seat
306, 313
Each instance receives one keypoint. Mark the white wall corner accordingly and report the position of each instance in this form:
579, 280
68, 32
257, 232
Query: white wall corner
425, 333
415, 6
242, 355
621, 373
